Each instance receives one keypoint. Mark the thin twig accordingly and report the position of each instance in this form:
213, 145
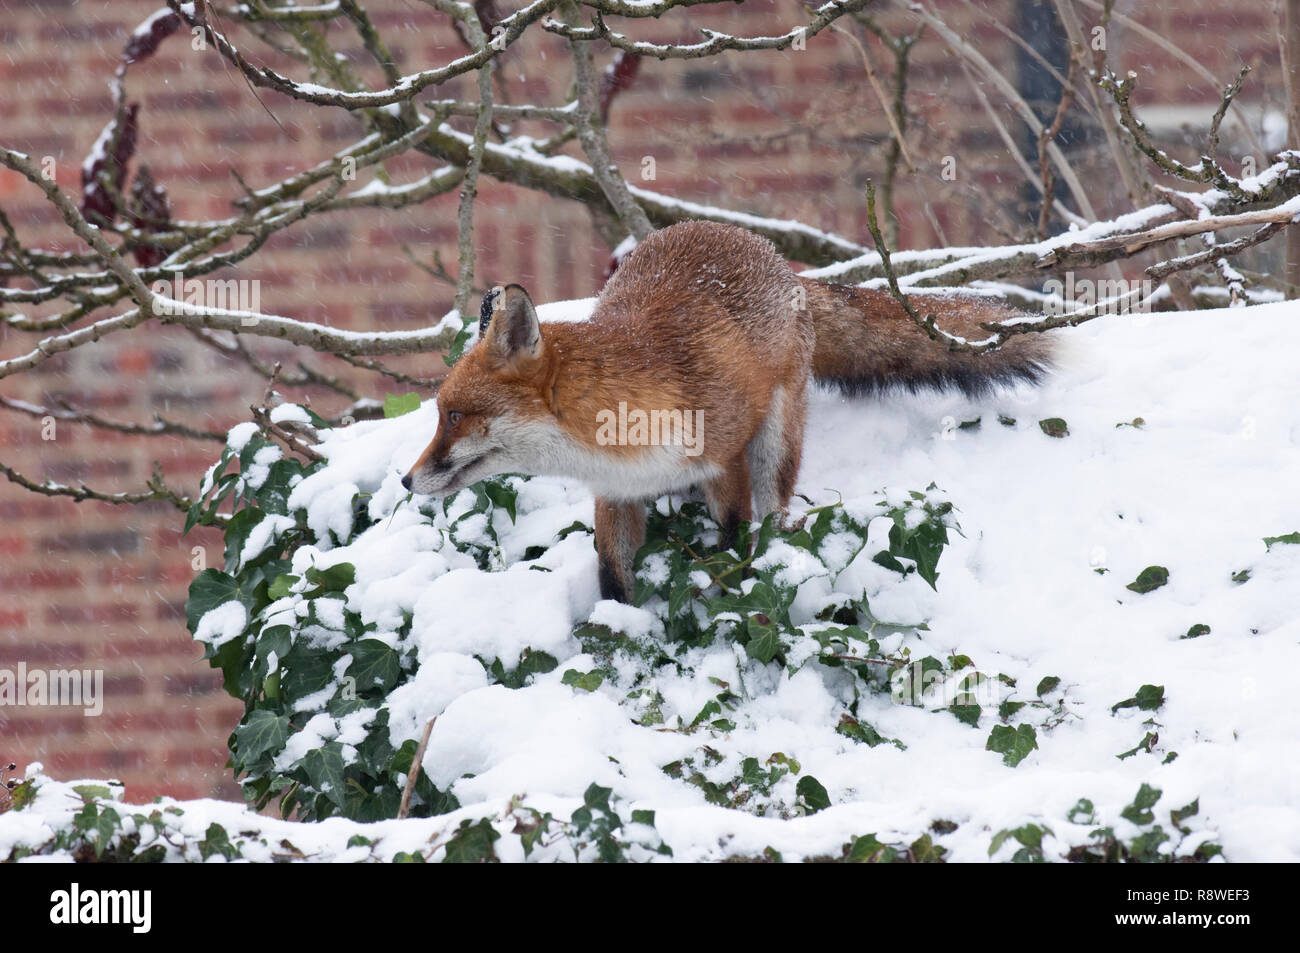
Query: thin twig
592, 136
404, 808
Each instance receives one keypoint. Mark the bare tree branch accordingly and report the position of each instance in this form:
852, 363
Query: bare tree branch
398, 92
159, 428
592, 136
714, 42
158, 490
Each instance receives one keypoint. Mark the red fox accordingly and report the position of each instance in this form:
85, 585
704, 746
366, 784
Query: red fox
700, 348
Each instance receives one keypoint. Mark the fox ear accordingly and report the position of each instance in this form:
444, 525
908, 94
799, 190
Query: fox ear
512, 329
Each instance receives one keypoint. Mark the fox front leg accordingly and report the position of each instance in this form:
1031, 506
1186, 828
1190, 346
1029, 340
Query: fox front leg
728, 497
620, 532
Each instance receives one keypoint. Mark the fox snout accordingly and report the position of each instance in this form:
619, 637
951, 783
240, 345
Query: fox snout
454, 460
436, 471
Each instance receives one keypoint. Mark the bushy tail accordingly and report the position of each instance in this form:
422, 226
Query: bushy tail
867, 344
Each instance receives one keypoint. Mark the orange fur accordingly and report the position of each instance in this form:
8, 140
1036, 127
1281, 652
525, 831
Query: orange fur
701, 319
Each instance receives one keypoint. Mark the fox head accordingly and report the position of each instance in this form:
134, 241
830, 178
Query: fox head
495, 408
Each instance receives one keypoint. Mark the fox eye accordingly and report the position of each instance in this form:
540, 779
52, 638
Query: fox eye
454, 417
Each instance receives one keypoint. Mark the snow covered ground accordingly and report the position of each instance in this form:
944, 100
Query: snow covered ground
1214, 468
1055, 528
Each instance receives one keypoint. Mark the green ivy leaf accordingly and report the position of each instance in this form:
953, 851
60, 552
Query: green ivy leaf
210, 588
375, 665
503, 494
335, 578
280, 586
1148, 698
324, 767
1014, 744
530, 663
597, 797
926, 851
583, 681
923, 544
1008, 708
22, 795
531, 832
859, 731
1153, 577
89, 792
305, 672
1147, 743
813, 794
1083, 812
237, 530
460, 343
217, 841
106, 825
263, 732
1139, 812
1180, 814
395, 405
764, 640
868, 850
1054, 427
273, 494
472, 843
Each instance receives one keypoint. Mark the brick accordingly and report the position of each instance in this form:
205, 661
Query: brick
82, 105
190, 100
138, 722
115, 759
194, 684
100, 541
179, 644
34, 508
40, 579
311, 236
199, 756
77, 471
123, 686
74, 764
54, 654
63, 32
42, 722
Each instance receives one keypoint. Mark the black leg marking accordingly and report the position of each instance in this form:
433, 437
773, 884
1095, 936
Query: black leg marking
729, 530
611, 587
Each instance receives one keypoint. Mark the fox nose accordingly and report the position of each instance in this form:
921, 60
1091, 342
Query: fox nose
406, 482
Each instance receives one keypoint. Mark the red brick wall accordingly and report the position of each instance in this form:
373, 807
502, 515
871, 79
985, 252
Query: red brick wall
788, 134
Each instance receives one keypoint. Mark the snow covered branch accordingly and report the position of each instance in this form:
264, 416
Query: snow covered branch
714, 42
